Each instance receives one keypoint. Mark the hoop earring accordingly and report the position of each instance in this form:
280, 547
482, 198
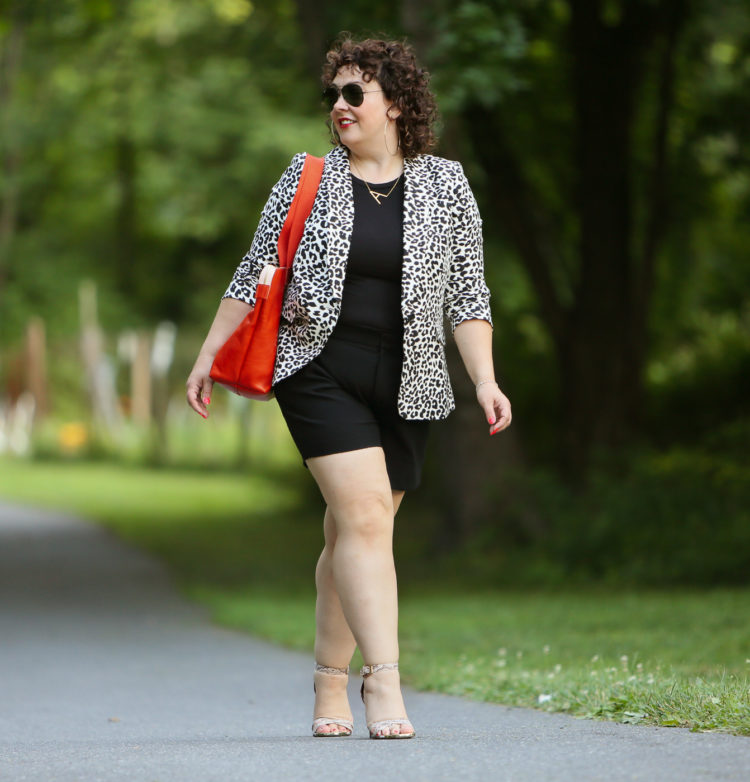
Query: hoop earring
335, 140
385, 137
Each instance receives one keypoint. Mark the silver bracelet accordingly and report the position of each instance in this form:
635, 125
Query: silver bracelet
482, 382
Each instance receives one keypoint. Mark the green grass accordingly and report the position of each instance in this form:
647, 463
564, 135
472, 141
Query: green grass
242, 545
210, 527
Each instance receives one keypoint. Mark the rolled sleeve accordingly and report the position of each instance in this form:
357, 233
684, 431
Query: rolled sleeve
466, 295
264, 247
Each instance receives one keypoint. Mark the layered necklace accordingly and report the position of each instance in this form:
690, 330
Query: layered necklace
374, 193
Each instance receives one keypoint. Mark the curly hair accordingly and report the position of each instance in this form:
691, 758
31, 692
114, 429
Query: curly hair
394, 66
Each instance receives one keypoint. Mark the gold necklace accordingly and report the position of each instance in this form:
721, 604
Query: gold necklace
375, 194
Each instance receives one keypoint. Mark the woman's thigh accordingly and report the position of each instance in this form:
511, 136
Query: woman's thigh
354, 483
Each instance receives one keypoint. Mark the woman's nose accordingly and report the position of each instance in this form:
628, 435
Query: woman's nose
340, 102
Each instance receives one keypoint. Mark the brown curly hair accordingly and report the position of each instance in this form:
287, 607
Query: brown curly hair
394, 66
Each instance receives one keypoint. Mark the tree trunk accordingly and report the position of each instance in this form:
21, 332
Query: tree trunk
599, 338
600, 371
125, 216
11, 48
312, 15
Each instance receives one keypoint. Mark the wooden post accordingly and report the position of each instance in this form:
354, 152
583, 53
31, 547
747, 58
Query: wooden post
90, 339
140, 380
36, 365
162, 354
99, 369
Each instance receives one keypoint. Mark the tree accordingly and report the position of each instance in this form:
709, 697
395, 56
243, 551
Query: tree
150, 134
588, 216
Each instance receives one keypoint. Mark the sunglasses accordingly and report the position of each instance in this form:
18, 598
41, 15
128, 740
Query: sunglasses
353, 94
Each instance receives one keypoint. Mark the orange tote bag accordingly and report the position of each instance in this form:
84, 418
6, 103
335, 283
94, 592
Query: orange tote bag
246, 361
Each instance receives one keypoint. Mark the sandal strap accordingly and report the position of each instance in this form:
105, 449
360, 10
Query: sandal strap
374, 727
342, 723
333, 671
368, 670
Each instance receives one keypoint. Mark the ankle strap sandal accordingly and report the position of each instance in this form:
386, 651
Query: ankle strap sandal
383, 729
344, 726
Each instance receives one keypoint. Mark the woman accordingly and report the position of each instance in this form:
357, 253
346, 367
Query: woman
392, 245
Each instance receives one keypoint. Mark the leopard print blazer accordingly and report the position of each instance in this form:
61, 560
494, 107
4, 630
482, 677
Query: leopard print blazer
443, 271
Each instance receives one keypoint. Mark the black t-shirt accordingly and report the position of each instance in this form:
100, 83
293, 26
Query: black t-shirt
372, 287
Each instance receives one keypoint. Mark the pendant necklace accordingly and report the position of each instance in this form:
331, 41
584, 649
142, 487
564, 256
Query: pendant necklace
374, 193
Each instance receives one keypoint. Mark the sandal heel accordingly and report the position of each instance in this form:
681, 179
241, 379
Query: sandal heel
345, 726
377, 728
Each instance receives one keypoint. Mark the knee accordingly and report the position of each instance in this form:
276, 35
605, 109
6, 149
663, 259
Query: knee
368, 517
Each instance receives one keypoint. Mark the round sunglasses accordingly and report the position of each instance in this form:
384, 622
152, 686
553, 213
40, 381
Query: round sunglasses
353, 94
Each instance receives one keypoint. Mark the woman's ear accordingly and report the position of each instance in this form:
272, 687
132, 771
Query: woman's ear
393, 111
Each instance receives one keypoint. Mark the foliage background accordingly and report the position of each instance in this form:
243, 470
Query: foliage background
139, 141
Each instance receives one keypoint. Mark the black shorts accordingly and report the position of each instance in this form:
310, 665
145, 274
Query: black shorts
345, 399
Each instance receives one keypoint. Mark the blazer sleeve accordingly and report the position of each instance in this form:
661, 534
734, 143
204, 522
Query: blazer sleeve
263, 249
466, 295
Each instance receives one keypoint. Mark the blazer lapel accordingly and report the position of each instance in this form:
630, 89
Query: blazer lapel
340, 217
417, 212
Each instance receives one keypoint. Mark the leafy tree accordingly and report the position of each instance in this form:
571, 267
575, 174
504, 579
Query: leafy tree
606, 141
140, 141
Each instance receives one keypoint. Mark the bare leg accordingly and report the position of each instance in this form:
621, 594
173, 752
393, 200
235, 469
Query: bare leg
334, 641
356, 488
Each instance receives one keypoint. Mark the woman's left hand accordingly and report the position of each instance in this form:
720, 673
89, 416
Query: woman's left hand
496, 407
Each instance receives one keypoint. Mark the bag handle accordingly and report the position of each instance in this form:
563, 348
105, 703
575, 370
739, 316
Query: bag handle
299, 210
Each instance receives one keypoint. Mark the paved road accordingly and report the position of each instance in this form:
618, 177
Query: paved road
107, 674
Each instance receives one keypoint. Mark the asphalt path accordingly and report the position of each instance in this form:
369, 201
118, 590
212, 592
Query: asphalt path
107, 673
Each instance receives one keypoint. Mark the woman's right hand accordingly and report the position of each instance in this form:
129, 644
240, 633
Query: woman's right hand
199, 385
230, 314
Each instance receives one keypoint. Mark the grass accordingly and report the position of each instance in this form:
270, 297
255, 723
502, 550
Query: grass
242, 545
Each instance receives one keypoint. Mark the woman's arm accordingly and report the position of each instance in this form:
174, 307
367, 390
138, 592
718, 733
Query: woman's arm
474, 340
239, 298
467, 303
466, 294
230, 314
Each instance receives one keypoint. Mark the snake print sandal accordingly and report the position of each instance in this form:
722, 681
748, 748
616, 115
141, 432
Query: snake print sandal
381, 729
344, 726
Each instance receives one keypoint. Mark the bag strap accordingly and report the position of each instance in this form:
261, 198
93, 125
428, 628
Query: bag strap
299, 210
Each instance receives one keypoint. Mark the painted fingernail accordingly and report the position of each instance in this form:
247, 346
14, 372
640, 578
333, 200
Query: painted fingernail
490, 421
206, 400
